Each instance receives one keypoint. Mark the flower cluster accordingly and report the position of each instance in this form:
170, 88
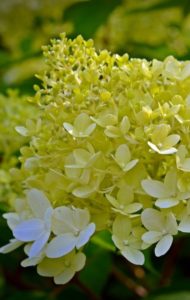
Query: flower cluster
67, 229
110, 150
14, 109
132, 27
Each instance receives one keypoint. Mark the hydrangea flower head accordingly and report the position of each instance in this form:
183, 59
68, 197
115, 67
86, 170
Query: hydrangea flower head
108, 151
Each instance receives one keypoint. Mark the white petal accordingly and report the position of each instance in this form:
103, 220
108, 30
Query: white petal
64, 277
22, 130
81, 156
154, 147
121, 228
38, 245
38, 202
135, 256
130, 165
133, 207
85, 235
163, 245
51, 267
62, 220
185, 72
48, 218
81, 122
61, 245
84, 191
13, 219
79, 261
171, 140
81, 218
170, 181
122, 155
171, 224
155, 188
166, 203
68, 127
185, 166
125, 125
27, 248
29, 230
30, 262
125, 195
184, 225
93, 159
14, 244
90, 129
152, 219
112, 200
112, 131
151, 237
171, 150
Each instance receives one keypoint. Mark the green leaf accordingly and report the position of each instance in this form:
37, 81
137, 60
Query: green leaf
103, 239
87, 16
185, 295
7, 60
27, 295
97, 269
164, 4
70, 292
149, 263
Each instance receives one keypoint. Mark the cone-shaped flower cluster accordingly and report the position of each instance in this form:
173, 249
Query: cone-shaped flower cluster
109, 151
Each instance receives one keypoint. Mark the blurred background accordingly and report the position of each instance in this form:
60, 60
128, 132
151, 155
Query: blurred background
142, 28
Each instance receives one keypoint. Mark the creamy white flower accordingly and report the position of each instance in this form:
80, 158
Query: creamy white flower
127, 240
161, 229
32, 261
124, 201
123, 158
166, 192
117, 131
106, 118
163, 143
82, 127
62, 269
72, 229
13, 244
22, 212
38, 228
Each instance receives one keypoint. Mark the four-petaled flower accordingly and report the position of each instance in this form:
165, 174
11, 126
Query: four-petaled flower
123, 158
37, 229
128, 240
166, 192
72, 229
124, 201
163, 143
82, 127
62, 269
161, 229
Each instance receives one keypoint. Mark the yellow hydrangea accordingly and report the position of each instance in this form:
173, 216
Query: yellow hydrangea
14, 111
109, 151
